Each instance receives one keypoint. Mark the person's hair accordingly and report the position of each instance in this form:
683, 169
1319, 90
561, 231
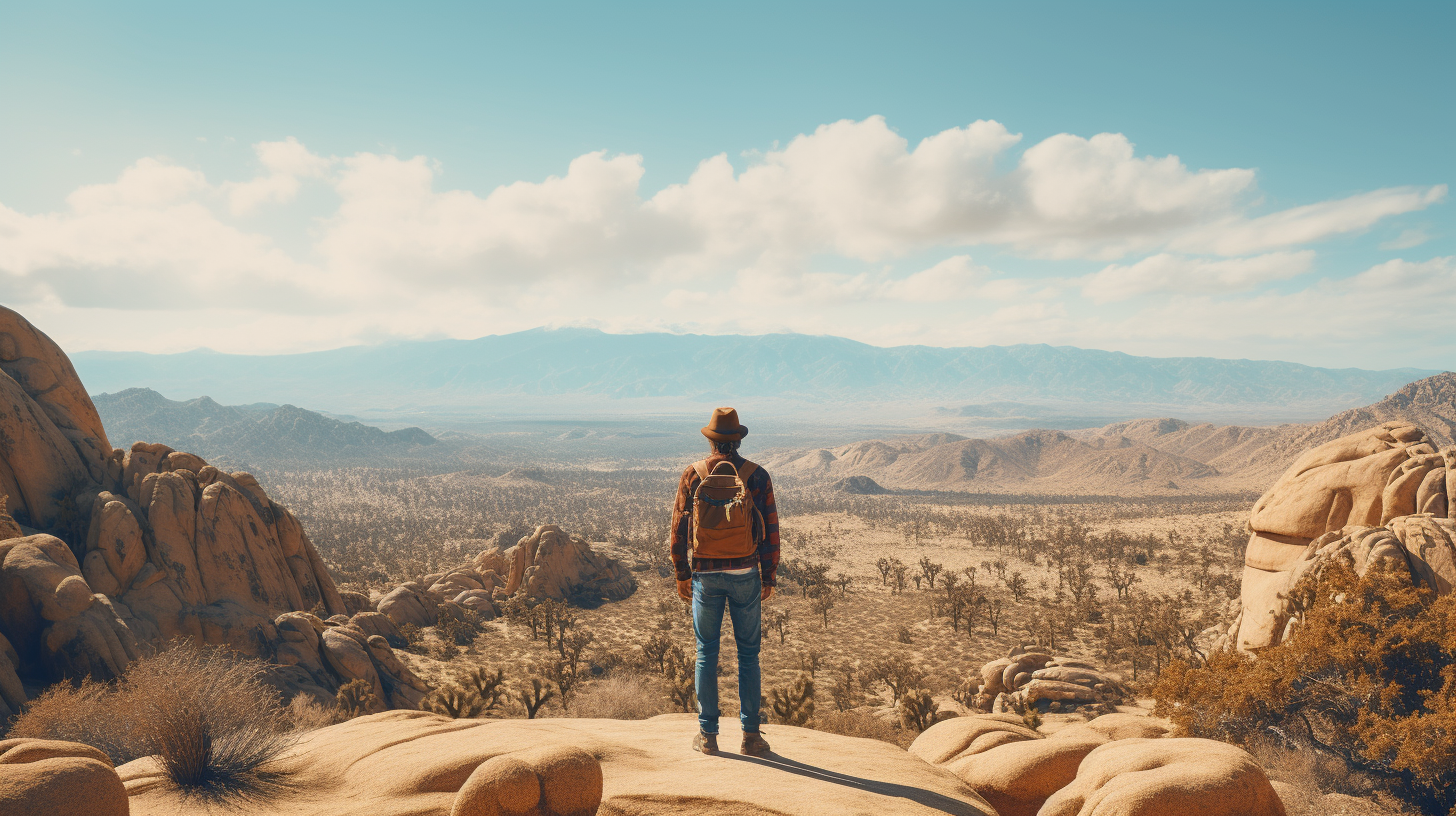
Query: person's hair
728, 447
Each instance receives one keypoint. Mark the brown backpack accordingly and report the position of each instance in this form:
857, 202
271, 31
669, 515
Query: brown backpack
725, 519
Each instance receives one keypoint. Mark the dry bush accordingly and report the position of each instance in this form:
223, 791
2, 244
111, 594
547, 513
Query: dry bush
860, 723
917, 709
206, 714
622, 696
1368, 680
87, 714
307, 714
793, 705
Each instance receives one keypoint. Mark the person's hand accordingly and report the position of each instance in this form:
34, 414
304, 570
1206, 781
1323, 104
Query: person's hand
685, 590
767, 593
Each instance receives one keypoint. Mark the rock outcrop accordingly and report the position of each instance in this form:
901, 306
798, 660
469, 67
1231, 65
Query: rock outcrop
412, 762
547, 564
1383, 494
106, 553
1112, 765
1030, 678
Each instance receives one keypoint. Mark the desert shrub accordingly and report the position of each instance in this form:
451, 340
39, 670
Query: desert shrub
86, 714
205, 713
917, 709
414, 637
355, 699
622, 697
862, 724
454, 701
444, 649
1368, 678
307, 714
794, 704
904, 635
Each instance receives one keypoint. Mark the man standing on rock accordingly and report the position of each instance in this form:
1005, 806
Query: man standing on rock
725, 548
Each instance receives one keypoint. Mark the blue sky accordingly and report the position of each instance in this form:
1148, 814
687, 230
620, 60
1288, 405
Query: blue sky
273, 177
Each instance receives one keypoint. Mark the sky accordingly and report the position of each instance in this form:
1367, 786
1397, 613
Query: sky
1245, 180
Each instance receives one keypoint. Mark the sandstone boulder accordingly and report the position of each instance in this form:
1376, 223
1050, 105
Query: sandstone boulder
550, 564
1039, 679
1140, 777
416, 763
53, 777
409, 603
1363, 481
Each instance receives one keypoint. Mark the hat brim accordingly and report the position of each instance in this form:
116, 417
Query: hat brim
719, 436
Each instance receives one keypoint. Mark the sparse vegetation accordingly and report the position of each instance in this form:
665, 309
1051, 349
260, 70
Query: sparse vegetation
205, 713
1367, 680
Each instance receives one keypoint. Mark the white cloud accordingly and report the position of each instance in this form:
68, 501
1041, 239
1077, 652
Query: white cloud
812, 236
287, 163
1175, 273
1407, 239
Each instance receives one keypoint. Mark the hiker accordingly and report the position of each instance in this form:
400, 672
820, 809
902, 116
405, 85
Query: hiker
725, 548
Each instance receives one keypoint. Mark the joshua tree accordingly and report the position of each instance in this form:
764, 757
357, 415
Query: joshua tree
809, 660
778, 619
454, 701
929, 569
898, 674
654, 651
885, 567
534, 694
993, 614
562, 675
488, 684
1017, 586
573, 645
897, 574
794, 705
917, 709
821, 606
845, 691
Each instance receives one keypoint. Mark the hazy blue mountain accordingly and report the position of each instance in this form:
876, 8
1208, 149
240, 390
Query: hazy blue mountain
524, 367
248, 436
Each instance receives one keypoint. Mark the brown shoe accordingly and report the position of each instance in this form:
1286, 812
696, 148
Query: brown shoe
754, 744
706, 743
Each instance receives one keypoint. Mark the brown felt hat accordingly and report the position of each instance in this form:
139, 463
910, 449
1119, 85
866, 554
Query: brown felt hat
724, 426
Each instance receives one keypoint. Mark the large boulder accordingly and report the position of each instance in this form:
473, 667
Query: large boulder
53, 777
415, 763
1042, 680
1367, 480
1143, 777
551, 564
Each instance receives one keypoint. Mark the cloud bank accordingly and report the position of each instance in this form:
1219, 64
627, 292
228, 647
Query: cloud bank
848, 230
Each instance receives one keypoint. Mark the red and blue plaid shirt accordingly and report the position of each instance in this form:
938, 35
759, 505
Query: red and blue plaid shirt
760, 487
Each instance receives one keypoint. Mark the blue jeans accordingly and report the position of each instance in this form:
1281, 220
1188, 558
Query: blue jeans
742, 594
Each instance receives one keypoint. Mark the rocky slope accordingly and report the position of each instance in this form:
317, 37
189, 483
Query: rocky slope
252, 435
1141, 456
1030, 462
106, 552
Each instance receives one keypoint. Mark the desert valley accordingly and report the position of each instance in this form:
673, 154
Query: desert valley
265, 608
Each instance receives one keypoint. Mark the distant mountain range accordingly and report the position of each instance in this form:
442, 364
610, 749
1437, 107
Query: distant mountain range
251, 436
1144, 456
571, 368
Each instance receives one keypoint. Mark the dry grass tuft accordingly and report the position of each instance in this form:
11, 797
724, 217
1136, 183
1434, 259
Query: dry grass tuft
206, 714
622, 697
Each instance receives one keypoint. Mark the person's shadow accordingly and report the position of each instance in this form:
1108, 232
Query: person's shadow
931, 799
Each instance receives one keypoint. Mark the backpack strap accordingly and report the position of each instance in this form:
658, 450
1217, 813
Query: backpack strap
746, 472
701, 468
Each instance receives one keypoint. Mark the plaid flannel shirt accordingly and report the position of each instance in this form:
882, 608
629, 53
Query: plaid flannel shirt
760, 487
